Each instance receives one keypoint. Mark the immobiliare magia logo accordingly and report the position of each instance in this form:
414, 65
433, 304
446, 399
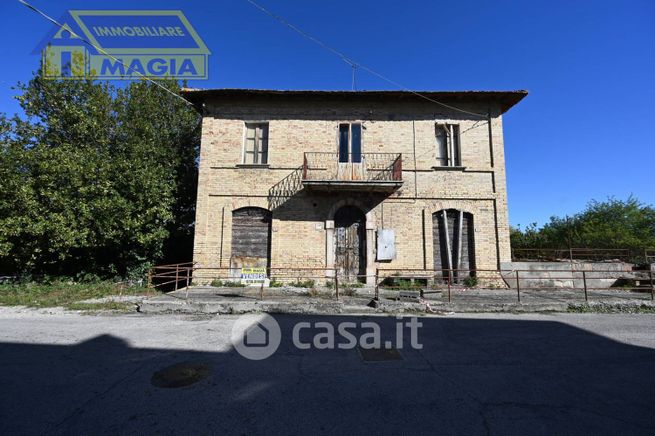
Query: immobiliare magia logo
120, 44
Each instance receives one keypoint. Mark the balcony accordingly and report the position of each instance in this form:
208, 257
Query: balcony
363, 172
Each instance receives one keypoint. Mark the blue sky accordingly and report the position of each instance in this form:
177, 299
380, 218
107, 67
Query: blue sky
584, 132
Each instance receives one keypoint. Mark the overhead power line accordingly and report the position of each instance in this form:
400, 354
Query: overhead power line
355, 64
102, 51
278, 18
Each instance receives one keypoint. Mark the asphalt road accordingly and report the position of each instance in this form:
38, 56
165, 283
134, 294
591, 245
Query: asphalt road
64, 373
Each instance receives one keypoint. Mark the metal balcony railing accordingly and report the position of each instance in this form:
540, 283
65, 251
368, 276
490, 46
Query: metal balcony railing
361, 167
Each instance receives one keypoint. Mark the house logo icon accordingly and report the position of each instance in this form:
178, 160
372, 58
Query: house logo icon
256, 337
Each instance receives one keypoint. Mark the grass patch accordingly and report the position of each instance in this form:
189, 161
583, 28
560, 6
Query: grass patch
403, 284
227, 284
303, 284
63, 294
348, 291
312, 292
609, 308
118, 306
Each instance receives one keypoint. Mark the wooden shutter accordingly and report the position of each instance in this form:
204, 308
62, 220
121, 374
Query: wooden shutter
251, 233
453, 242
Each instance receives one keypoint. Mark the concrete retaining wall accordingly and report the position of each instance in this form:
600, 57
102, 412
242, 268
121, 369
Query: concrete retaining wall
600, 275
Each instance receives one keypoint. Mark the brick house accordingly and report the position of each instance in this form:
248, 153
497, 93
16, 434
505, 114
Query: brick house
352, 180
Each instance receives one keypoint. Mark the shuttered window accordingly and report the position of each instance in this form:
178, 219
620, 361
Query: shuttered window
255, 149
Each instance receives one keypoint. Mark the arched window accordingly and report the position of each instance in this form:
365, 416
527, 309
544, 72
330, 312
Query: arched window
453, 242
251, 237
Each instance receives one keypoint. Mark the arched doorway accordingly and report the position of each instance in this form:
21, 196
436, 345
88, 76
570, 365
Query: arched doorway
350, 243
453, 243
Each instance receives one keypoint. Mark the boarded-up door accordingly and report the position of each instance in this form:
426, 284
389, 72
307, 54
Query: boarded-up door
453, 244
350, 227
251, 237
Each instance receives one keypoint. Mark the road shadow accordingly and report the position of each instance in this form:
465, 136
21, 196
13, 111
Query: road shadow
471, 376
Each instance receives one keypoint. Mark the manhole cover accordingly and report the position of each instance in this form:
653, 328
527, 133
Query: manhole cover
379, 354
180, 375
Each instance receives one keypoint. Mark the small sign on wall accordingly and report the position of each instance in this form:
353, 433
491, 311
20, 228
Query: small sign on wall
386, 244
254, 276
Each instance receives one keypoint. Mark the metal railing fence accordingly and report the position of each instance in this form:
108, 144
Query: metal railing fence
177, 277
636, 255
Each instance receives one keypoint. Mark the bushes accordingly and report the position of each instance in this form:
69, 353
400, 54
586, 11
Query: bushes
470, 282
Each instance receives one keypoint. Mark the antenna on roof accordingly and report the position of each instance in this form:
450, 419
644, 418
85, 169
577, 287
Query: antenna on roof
354, 64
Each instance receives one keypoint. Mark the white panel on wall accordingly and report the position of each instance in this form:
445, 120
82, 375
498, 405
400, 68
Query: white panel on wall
386, 244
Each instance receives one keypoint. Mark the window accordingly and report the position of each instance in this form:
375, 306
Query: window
350, 142
448, 153
256, 144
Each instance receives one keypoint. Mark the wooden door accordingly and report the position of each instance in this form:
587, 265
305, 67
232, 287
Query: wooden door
251, 237
350, 226
453, 244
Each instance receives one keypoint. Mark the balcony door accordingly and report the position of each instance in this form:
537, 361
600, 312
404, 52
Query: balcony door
350, 152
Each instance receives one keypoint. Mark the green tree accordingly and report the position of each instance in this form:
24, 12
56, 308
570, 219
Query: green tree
530, 237
603, 224
95, 178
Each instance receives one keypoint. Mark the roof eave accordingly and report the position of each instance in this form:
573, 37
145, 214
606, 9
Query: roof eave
505, 99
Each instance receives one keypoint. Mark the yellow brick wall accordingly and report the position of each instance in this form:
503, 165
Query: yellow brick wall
298, 228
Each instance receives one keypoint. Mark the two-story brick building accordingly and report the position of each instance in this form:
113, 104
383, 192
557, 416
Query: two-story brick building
352, 180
